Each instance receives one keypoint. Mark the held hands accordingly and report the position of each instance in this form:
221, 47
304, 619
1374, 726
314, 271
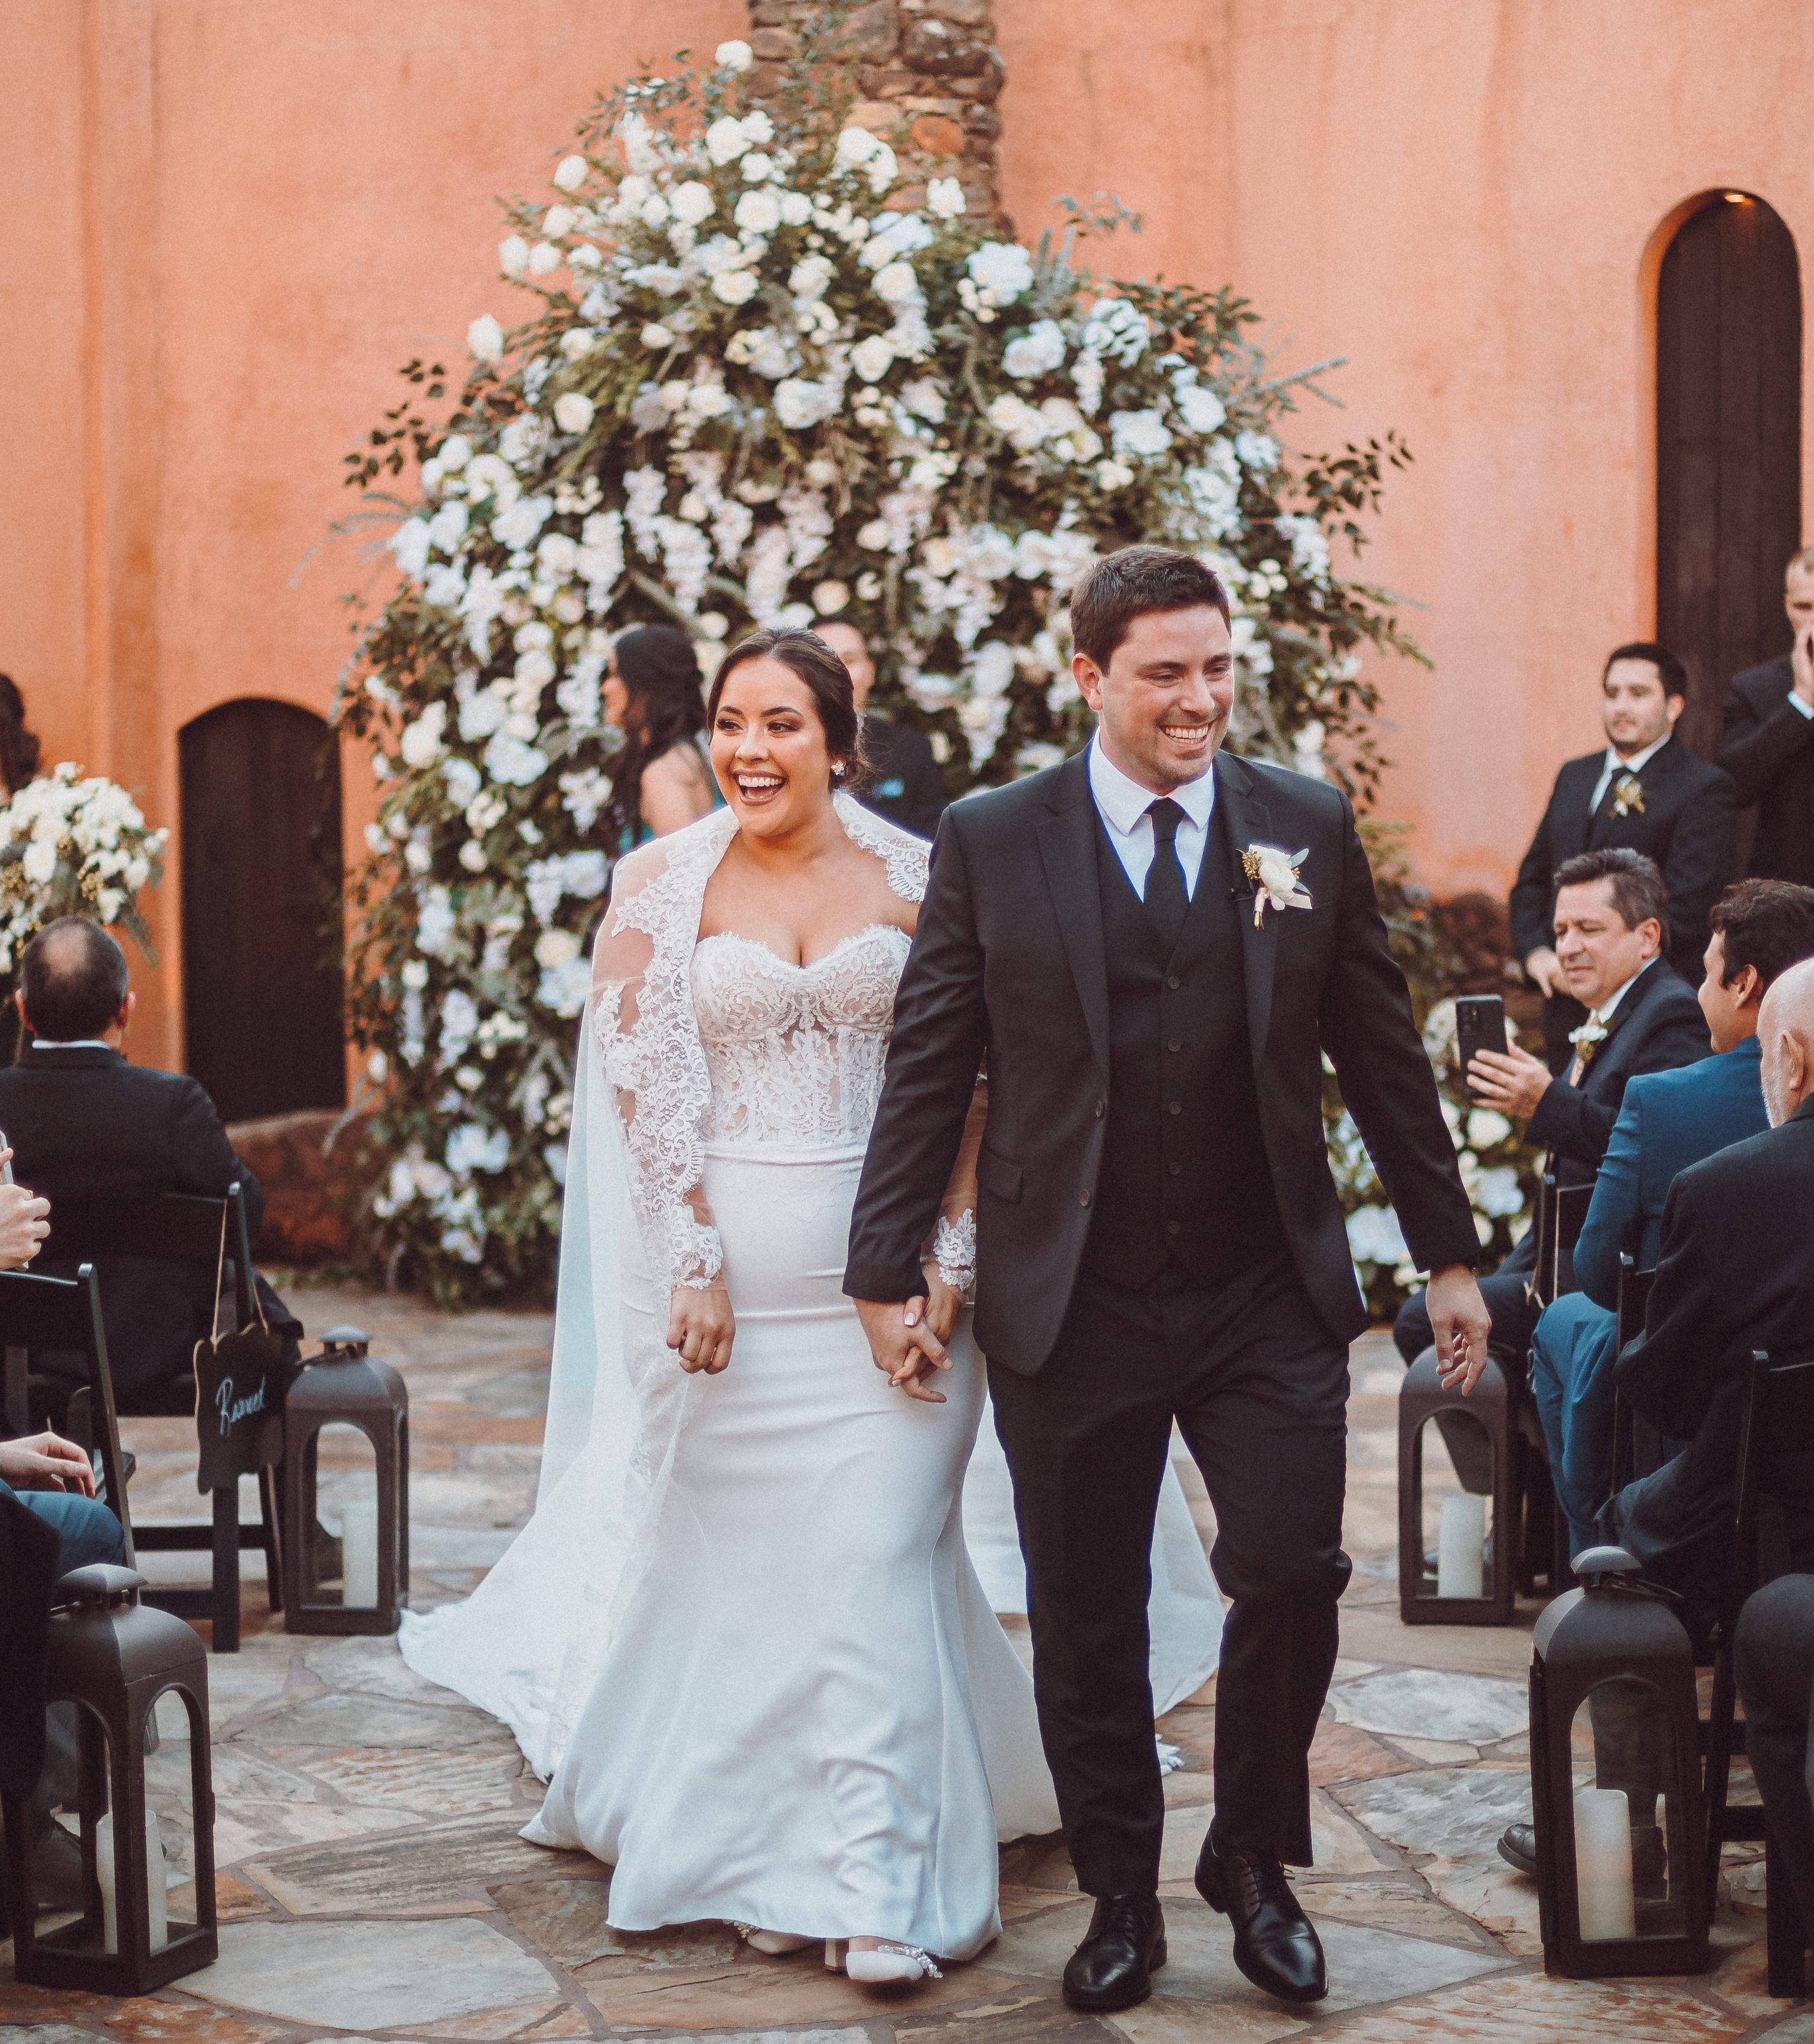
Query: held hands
1511, 1081
23, 1226
46, 1462
702, 1326
1460, 1322
1541, 968
903, 1343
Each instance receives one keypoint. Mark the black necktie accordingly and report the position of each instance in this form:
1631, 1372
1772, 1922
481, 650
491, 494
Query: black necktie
1166, 901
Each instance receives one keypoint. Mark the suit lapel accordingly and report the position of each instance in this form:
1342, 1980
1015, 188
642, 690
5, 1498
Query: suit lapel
1247, 820
1067, 836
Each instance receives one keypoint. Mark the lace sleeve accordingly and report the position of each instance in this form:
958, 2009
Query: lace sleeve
648, 1040
953, 1244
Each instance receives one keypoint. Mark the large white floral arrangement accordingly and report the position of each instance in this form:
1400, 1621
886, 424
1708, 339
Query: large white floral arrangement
71, 846
760, 383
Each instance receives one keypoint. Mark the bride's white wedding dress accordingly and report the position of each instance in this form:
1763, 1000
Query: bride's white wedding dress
742, 1630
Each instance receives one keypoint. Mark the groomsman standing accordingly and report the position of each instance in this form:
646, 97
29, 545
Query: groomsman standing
1768, 746
1646, 792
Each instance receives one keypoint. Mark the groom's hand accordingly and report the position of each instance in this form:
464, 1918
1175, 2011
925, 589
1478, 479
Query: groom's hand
905, 1348
1460, 1323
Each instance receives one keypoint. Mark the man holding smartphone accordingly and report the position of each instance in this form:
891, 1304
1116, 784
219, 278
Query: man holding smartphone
1768, 744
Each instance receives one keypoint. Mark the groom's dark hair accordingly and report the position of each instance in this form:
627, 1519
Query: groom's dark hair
1112, 592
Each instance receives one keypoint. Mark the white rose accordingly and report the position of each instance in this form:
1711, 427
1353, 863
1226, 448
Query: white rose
421, 742
691, 203
709, 401
830, 597
758, 212
872, 359
40, 862
456, 451
585, 257
734, 55
560, 220
513, 256
409, 542
1486, 1127
556, 948
726, 140
573, 411
799, 403
543, 258
655, 211
1039, 350
873, 537
735, 287
559, 555
810, 276
570, 173
945, 196
1003, 269
484, 337
1139, 433
1113, 475
796, 208
1259, 452
855, 146
896, 282
756, 166
578, 340
447, 528
1201, 410
655, 335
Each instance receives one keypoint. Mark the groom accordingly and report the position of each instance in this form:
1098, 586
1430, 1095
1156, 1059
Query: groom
1159, 1236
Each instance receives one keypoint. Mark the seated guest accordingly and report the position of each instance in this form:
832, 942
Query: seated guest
1773, 1659
1647, 791
86, 1125
1768, 744
1669, 1121
1611, 926
907, 787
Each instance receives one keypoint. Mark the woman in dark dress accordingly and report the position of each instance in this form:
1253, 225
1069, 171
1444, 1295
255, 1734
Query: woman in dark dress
653, 695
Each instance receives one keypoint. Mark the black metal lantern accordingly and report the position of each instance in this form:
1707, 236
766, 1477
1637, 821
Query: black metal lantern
358, 1581
1616, 1779
1474, 1582
112, 1658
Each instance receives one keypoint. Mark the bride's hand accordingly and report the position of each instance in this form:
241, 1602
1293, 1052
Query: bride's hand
943, 1304
702, 1326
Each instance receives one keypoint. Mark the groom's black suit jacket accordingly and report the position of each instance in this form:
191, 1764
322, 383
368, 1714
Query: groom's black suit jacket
1010, 960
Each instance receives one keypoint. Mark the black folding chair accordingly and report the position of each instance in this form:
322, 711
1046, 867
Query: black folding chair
1637, 1447
179, 1227
1561, 1211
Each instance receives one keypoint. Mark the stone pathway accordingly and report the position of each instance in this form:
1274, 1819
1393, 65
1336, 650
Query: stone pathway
373, 1884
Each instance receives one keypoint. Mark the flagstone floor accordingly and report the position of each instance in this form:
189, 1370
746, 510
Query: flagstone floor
373, 1884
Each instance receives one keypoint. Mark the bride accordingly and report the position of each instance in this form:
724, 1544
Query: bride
742, 1632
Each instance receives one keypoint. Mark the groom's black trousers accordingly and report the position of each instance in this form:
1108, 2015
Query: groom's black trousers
1258, 1388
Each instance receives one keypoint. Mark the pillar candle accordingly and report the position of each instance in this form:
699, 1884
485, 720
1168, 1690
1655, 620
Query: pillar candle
1458, 1543
157, 1883
358, 1552
1603, 1864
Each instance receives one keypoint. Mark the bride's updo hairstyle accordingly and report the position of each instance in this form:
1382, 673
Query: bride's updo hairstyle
806, 656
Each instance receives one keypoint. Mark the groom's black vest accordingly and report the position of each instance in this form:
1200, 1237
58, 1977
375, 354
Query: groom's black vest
1184, 1180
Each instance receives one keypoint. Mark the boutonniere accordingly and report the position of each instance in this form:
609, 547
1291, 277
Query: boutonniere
1588, 1038
1274, 874
1627, 796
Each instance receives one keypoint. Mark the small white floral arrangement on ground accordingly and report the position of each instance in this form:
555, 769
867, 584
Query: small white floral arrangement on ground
762, 379
71, 846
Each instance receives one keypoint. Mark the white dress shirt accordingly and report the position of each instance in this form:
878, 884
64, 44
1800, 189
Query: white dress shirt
1615, 765
1122, 805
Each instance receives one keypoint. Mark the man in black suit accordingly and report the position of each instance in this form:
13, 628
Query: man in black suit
1768, 744
85, 1125
907, 787
1647, 791
1155, 945
1612, 928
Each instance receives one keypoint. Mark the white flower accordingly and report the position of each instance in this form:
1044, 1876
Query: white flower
1201, 410
570, 173
873, 537
759, 128
1273, 873
557, 947
562, 989
1374, 1236
945, 196
1486, 1127
758, 212
1003, 269
1023, 425
559, 221
735, 287
655, 335
691, 203
1142, 434
726, 139
585, 257
543, 258
484, 337
992, 670
873, 358
472, 1147
734, 55
40, 861
1115, 328
463, 781
1496, 1192
1259, 452
709, 401
513, 256
577, 341
573, 413
1039, 350
880, 169
456, 451
756, 168
830, 597
810, 276
897, 283
1111, 475
509, 760
988, 552
799, 403
409, 542
421, 742
855, 146
796, 208
519, 524
491, 476
447, 528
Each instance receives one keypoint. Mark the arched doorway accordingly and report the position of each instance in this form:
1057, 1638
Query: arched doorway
261, 866
1728, 466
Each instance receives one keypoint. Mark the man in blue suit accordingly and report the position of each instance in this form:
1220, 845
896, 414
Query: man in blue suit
1667, 1121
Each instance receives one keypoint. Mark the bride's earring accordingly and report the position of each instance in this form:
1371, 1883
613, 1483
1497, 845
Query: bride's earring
837, 769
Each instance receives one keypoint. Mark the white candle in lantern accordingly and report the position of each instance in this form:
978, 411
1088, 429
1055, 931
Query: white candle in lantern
358, 1552
157, 1882
1607, 1905
1458, 1543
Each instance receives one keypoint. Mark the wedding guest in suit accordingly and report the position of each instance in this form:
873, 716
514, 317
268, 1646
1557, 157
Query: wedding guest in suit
905, 785
1768, 744
1612, 928
1735, 1275
1669, 1121
1773, 1660
85, 1124
1646, 792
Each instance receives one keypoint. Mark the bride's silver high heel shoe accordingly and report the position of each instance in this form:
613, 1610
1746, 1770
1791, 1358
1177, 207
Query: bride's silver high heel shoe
884, 1964
777, 1944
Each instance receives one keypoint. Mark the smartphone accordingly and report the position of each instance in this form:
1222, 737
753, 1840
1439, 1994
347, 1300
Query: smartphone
1480, 1025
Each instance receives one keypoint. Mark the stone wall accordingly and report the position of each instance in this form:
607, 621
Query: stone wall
928, 75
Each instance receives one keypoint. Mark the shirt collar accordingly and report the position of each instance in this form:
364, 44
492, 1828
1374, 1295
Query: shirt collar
1604, 1012
1638, 760
77, 1044
1123, 802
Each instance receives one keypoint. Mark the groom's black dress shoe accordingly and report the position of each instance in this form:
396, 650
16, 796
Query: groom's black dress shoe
1275, 1945
1518, 1847
1125, 1946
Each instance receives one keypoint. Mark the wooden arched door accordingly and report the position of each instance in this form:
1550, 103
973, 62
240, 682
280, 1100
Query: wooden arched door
1729, 446
261, 869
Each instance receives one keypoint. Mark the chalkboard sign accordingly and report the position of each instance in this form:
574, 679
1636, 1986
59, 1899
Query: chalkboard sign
239, 1406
